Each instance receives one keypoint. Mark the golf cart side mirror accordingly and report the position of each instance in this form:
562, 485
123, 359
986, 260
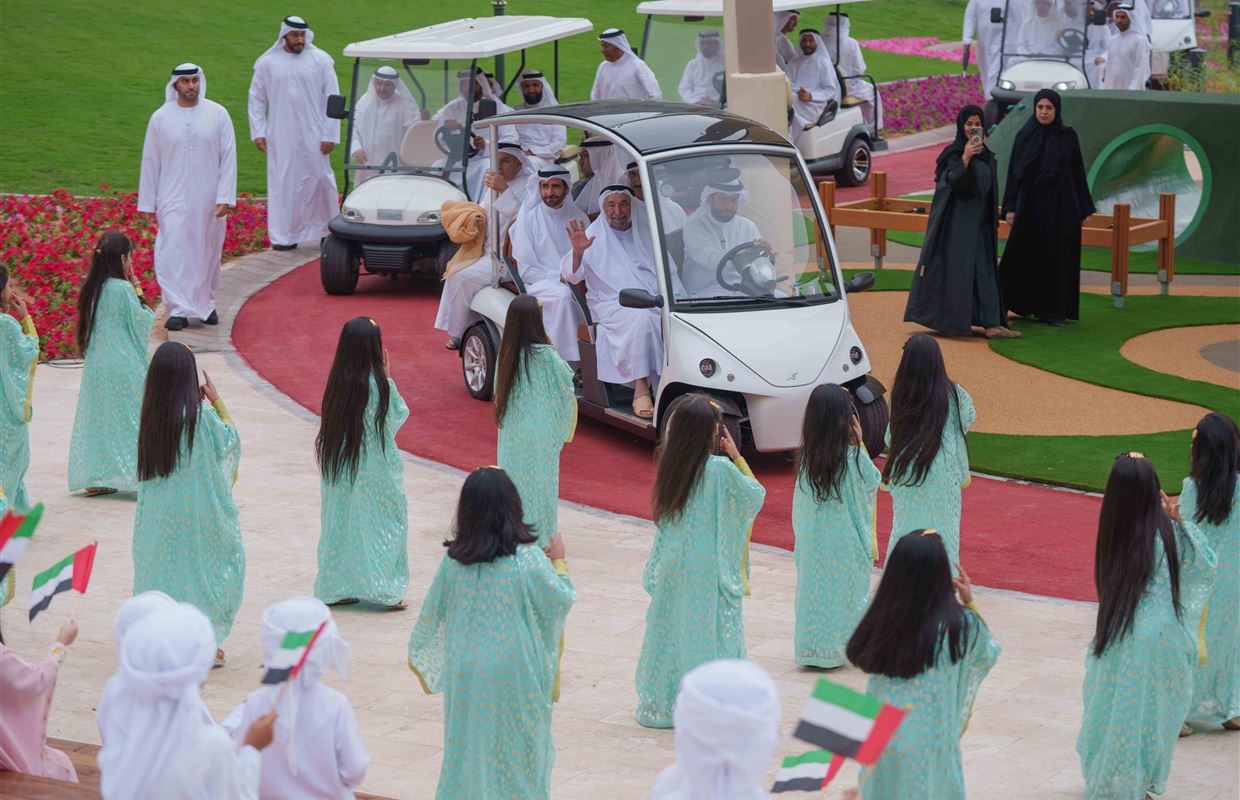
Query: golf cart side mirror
336, 108
996, 16
1097, 16
640, 298
859, 283
1201, 13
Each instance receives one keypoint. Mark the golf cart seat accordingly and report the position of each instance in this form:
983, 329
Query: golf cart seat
849, 100
675, 241
417, 147
513, 282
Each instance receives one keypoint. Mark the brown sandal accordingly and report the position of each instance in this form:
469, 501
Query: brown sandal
344, 601
401, 606
643, 406
98, 491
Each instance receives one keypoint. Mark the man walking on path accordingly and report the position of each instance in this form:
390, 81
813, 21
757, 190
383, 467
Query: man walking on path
289, 122
189, 179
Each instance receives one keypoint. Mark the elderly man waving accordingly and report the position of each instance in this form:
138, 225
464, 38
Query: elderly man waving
622, 75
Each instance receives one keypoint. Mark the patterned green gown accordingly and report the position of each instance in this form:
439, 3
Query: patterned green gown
923, 757
835, 552
935, 503
104, 447
19, 355
695, 578
488, 637
1216, 684
541, 417
186, 536
364, 523
1137, 694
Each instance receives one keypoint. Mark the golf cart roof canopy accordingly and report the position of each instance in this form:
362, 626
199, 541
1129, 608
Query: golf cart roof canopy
651, 127
469, 39
714, 8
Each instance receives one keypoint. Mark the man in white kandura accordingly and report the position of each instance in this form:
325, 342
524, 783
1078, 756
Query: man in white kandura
713, 229
703, 75
1128, 54
289, 122
380, 120
606, 168
622, 75
610, 255
849, 61
785, 23
188, 179
1039, 32
544, 142
539, 242
671, 215
814, 83
452, 118
987, 54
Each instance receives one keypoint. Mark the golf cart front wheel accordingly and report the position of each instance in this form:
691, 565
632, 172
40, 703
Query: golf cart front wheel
338, 267
874, 418
856, 170
478, 362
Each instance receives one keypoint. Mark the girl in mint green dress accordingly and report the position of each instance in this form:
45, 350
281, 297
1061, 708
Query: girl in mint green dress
363, 517
536, 411
926, 650
833, 519
1211, 499
927, 459
488, 637
114, 326
19, 355
186, 536
704, 505
1152, 571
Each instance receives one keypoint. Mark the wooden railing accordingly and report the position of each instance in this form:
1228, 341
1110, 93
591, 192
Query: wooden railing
1117, 232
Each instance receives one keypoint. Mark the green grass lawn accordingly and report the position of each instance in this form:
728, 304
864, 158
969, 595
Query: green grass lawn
57, 132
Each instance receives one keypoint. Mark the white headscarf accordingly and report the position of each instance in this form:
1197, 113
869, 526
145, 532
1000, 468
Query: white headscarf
402, 94
287, 26
480, 78
182, 71
833, 21
137, 608
727, 182
781, 19
540, 234
158, 715
617, 38
609, 259
548, 96
607, 171
727, 726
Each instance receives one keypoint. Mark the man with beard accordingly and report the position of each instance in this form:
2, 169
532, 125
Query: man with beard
698, 81
544, 142
1128, 53
714, 229
785, 23
289, 122
380, 120
622, 75
814, 83
1039, 34
539, 242
189, 179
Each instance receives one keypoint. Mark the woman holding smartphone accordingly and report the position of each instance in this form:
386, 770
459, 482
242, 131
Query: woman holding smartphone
956, 285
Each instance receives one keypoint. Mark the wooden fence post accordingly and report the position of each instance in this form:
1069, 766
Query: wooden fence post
1119, 253
1166, 245
826, 194
878, 236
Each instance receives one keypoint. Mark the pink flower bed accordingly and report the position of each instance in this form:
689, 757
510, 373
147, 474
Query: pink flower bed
912, 46
925, 103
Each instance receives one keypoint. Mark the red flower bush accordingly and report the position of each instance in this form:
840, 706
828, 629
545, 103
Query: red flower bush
47, 241
925, 103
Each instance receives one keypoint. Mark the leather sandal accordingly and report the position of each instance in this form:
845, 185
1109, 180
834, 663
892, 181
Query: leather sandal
643, 406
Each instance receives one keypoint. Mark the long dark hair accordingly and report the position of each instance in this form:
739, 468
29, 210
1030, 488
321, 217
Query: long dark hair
107, 261
169, 410
1216, 459
914, 609
342, 420
691, 436
4, 277
826, 436
523, 328
1132, 516
490, 521
919, 398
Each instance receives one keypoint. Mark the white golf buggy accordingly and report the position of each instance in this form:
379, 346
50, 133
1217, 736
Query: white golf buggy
402, 163
768, 319
840, 143
1173, 32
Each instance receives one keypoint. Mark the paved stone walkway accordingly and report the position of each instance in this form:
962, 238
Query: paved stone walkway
1019, 745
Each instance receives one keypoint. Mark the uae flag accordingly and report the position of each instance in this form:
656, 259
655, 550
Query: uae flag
847, 722
72, 573
287, 661
807, 773
15, 533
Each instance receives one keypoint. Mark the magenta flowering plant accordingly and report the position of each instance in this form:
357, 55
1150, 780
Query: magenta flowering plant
924, 103
923, 46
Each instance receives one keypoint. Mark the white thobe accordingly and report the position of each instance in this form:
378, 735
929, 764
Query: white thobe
476, 170
189, 165
852, 62
816, 75
697, 82
544, 141
987, 53
629, 341
288, 106
378, 129
1039, 36
539, 241
214, 767
328, 750
1128, 61
626, 79
785, 51
706, 241
1099, 41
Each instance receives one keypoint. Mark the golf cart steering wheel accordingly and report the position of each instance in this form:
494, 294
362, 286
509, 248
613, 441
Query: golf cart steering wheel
1072, 41
742, 257
448, 141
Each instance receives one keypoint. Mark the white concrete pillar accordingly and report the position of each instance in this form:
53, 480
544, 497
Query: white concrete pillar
756, 87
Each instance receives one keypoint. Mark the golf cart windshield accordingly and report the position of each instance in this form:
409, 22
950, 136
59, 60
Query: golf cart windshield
1172, 9
1045, 30
686, 55
740, 230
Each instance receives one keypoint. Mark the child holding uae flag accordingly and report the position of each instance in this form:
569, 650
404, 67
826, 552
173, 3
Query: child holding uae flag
927, 651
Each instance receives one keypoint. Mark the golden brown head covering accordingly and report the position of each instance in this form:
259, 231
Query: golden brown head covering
465, 224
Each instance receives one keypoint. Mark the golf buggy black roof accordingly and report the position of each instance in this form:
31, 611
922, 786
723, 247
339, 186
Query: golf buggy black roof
650, 127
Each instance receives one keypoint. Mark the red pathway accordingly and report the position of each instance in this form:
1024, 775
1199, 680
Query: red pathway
1027, 538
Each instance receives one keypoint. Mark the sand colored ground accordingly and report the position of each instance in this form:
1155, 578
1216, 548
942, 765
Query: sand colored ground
1016, 398
1177, 351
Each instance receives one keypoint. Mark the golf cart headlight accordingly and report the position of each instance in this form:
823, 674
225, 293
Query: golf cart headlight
353, 215
707, 367
428, 217
1006, 85
1064, 86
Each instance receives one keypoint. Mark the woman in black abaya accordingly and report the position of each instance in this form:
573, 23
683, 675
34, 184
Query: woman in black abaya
956, 284
1045, 200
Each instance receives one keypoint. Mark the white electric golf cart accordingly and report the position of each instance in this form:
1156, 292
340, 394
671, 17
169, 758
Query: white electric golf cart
411, 161
840, 143
767, 321
1173, 31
